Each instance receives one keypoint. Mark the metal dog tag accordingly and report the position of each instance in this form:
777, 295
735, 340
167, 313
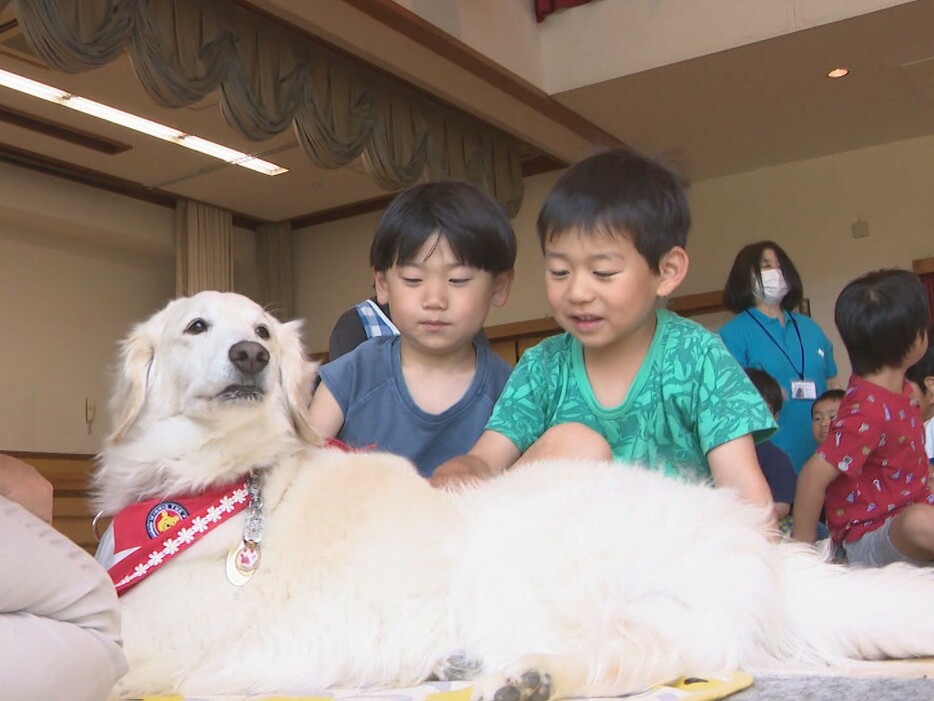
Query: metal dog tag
242, 561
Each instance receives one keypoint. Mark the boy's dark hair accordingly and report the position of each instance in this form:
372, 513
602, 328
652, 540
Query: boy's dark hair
620, 193
924, 367
830, 394
472, 222
880, 316
768, 388
738, 291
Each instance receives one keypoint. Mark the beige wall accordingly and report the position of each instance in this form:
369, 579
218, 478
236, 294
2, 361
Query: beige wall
64, 307
78, 267
808, 208
331, 273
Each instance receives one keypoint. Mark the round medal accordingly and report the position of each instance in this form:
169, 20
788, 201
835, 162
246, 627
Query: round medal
242, 562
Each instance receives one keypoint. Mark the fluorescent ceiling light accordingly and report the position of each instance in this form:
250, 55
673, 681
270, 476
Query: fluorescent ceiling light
140, 124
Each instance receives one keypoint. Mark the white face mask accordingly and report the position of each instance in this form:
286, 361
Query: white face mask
773, 288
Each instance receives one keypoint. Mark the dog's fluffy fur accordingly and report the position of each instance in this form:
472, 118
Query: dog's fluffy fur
603, 579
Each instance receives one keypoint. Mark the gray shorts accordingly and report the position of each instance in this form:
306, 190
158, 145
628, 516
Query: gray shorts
875, 549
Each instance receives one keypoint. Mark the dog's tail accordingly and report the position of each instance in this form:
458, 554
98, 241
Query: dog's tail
836, 613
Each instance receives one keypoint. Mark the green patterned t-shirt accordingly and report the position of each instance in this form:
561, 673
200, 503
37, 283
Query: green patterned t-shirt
689, 396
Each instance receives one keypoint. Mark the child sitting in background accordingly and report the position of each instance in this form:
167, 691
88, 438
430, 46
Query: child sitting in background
361, 322
775, 463
871, 469
628, 381
921, 377
824, 411
442, 254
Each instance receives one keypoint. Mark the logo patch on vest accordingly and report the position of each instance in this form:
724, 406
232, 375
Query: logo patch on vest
164, 516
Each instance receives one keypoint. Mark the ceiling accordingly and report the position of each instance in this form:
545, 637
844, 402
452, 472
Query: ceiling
736, 110
771, 102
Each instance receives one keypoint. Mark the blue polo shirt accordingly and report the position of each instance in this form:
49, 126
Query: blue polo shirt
777, 349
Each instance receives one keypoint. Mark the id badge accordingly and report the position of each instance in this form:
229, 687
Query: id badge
803, 389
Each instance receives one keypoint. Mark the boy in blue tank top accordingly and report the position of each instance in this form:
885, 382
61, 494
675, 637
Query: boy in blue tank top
442, 255
628, 381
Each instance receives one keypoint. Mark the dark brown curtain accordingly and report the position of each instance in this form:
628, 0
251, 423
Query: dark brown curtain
543, 8
271, 78
928, 280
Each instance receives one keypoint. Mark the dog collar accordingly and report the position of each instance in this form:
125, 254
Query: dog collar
161, 529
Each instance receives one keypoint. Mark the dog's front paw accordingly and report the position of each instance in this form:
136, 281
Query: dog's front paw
532, 685
457, 666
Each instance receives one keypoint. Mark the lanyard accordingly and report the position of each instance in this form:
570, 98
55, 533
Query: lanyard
799, 373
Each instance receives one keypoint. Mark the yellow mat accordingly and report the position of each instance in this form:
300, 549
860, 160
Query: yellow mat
688, 689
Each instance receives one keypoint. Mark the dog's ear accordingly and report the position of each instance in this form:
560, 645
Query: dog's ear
136, 357
296, 376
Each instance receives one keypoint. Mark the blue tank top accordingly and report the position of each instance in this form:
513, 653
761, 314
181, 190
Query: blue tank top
369, 387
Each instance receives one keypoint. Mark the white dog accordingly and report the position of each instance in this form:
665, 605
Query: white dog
556, 579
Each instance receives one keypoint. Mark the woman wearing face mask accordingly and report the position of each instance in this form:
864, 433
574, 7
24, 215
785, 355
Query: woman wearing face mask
762, 290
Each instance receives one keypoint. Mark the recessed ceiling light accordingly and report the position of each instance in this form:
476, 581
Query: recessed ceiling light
838, 72
140, 124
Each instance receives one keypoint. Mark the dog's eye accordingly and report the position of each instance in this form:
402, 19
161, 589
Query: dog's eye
197, 326
263, 332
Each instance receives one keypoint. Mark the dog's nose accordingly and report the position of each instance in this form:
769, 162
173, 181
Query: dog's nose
249, 357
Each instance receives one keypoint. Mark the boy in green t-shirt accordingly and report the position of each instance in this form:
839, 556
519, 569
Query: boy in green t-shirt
628, 381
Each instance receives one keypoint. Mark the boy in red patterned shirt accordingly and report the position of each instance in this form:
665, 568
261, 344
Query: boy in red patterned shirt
871, 471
